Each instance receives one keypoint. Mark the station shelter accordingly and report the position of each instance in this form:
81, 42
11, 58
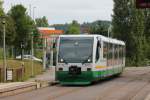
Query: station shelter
49, 36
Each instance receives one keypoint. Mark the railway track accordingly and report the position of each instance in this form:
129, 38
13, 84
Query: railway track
107, 91
130, 82
63, 92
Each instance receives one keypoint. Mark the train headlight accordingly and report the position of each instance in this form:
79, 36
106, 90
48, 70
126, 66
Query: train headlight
89, 60
61, 60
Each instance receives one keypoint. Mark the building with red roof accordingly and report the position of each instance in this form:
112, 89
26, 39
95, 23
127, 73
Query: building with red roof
47, 32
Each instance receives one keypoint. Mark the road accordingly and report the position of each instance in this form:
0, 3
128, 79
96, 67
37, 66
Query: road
133, 84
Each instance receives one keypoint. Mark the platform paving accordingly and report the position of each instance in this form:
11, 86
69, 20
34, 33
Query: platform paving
47, 78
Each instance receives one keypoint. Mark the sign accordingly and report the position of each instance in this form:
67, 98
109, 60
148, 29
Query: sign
9, 74
143, 3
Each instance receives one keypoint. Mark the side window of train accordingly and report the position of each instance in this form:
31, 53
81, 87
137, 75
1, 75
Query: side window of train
123, 52
105, 50
110, 51
120, 52
98, 51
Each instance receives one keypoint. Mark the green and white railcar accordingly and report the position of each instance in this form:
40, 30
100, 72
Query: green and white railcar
82, 59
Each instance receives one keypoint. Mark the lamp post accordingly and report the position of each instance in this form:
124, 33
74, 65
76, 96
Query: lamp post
44, 53
32, 48
4, 46
32, 54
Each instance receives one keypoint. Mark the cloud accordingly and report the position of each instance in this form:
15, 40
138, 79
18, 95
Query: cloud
62, 11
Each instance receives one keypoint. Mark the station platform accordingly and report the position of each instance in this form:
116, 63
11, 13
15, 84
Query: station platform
40, 81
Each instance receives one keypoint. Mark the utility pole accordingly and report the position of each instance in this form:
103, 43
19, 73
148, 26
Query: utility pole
44, 53
51, 51
4, 48
32, 48
32, 53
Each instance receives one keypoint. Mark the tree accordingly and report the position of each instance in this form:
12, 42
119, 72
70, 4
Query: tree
1, 25
73, 28
10, 31
121, 19
24, 26
41, 22
1, 9
63, 27
138, 37
147, 32
128, 25
99, 27
9, 27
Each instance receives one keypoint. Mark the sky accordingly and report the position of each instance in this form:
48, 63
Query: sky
64, 11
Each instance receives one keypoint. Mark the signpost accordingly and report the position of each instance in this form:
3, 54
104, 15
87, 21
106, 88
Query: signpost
9, 74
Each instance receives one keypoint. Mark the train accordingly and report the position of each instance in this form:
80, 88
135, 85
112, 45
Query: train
84, 59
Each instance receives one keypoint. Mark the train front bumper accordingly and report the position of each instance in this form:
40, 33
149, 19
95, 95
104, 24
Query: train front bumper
85, 77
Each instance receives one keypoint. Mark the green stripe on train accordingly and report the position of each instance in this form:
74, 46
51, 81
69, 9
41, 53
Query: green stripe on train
85, 77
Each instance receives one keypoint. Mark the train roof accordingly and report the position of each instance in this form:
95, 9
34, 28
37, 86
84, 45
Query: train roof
99, 37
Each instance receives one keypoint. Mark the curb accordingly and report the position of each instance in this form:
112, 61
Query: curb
43, 84
16, 89
25, 87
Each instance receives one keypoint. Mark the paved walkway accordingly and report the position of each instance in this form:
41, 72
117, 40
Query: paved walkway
43, 80
48, 75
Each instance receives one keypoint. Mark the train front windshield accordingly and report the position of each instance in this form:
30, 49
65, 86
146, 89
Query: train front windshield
75, 50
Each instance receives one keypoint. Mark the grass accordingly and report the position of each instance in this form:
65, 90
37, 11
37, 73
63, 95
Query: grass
38, 53
15, 64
